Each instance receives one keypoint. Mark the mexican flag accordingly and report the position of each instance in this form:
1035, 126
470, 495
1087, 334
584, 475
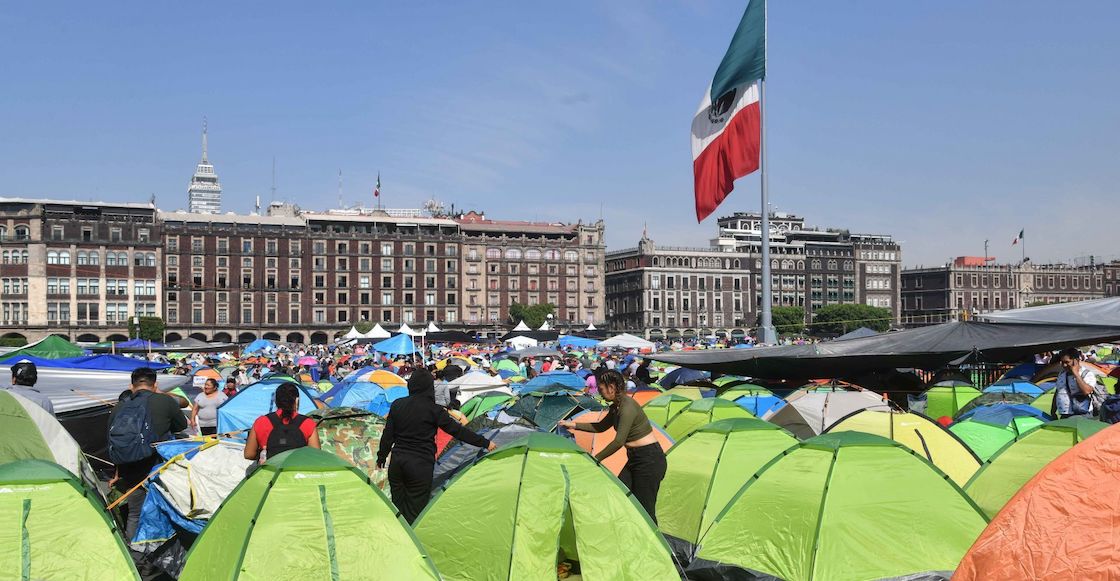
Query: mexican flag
726, 131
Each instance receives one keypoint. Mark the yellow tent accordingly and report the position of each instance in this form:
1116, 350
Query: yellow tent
919, 433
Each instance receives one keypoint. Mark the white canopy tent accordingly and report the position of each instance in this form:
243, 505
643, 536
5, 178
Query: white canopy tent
545, 327
521, 342
591, 327
432, 328
521, 326
353, 333
626, 341
405, 329
377, 332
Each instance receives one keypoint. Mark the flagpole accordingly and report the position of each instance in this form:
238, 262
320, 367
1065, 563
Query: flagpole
1023, 249
766, 325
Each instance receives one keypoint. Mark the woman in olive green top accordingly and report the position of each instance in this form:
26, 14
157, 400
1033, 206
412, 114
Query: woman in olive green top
645, 464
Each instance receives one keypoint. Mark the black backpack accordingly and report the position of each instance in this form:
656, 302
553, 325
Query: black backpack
284, 437
130, 433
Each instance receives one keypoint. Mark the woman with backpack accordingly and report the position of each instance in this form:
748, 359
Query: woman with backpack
282, 430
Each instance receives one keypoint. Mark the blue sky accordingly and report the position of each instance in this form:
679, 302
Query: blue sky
941, 123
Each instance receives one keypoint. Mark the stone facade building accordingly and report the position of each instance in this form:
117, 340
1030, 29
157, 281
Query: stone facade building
961, 289
660, 291
79, 269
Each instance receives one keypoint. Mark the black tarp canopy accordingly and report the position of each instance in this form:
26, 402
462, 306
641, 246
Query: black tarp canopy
449, 337
538, 335
924, 348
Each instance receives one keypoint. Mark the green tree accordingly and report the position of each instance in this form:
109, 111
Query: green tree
1037, 303
839, 319
533, 315
151, 328
364, 326
786, 319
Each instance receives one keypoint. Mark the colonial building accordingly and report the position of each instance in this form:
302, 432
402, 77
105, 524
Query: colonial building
966, 287
1112, 279
79, 269
204, 194
305, 276
661, 291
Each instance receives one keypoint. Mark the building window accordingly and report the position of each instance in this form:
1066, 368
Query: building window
114, 234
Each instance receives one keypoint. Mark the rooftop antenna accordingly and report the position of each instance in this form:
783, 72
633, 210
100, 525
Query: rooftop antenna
339, 188
203, 139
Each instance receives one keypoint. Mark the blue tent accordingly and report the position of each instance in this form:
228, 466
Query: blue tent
400, 345
577, 342
104, 362
260, 346
356, 394
563, 379
1022, 371
760, 404
257, 399
1012, 386
681, 375
380, 404
138, 344
1002, 414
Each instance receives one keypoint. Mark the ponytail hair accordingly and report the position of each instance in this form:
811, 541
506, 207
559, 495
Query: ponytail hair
287, 400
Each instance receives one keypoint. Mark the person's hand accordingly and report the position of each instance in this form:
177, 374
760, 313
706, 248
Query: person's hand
380, 464
1075, 365
566, 424
491, 447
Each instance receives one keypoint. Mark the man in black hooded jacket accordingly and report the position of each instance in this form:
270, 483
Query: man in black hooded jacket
410, 433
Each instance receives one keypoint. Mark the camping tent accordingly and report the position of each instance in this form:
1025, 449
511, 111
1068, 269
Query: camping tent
1011, 467
578, 342
57, 529
919, 433
661, 409
332, 508
991, 428
552, 379
943, 400
842, 506
483, 402
545, 408
994, 397
626, 341
255, 400
474, 382
1014, 386
924, 348
754, 399
594, 442
706, 469
356, 394
809, 413
399, 345
50, 347
546, 501
459, 455
27, 431
259, 346
354, 435
702, 412
1060, 525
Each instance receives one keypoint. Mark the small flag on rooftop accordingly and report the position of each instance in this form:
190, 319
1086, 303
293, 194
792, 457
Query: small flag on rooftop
377, 187
1018, 238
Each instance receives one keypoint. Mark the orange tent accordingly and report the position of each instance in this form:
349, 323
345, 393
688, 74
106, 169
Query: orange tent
592, 442
644, 395
1060, 525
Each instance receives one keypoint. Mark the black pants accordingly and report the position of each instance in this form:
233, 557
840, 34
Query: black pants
643, 473
208, 430
410, 483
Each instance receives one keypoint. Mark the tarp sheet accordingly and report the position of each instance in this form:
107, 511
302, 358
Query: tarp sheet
924, 348
1096, 313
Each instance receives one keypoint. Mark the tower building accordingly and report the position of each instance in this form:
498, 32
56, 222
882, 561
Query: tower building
204, 196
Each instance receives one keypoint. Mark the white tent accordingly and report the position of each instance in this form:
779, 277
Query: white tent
591, 327
626, 341
377, 332
809, 413
521, 342
545, 327
476, 382
405, 329
353, 333
432, 328
521, 326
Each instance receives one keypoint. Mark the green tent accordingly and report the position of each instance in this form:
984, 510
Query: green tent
536, 502
986, 439
662, 408
27, 431
1011, 467
1044, 402
56, 528
307, 514
919, 433
725, 381
508, 365
838, 507
744, 389
484, 402
52, 347
947, 400
706, 469
701, 413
